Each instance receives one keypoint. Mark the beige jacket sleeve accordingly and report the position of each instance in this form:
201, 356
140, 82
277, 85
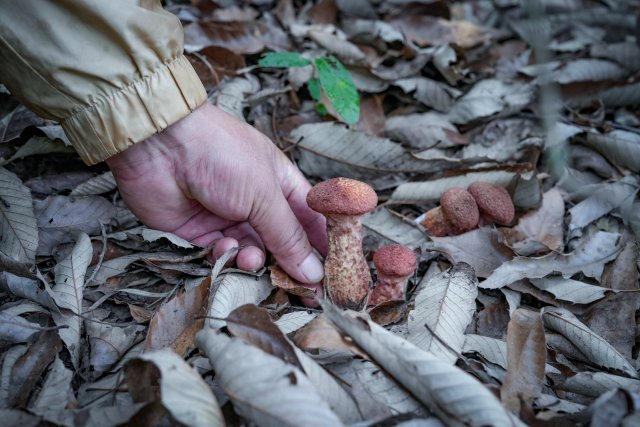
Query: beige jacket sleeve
112, 72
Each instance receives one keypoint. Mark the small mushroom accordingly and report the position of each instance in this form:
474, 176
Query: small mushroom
343, 201
494, 202
394, 264
460, 209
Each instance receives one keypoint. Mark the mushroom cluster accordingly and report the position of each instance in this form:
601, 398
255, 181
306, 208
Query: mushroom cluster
462, 210
343, 201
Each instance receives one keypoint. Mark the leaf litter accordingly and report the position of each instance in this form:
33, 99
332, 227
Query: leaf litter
541, 313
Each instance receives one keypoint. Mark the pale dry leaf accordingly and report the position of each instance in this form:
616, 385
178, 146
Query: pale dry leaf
589, 258
116, 266
428, 191
108, 416
594, 384
422, 131
513, 299
620, 147
16, 329
183, 392
231, 95
480, 248
490, 97
429, 92
542, 226
571, 290
492, 349
9, 359
151, 235
109, 342
69, 275
602, 201
330, 149
40, 145
526, 358
264, 388
232, 290
291, 322
391, 228
56, 390
378, 386
625, 53
340, 402
106, 390
585, 70
452, 394
60, 217
68, 293
444, 307
594, 347
621, 96
18, 229
338, 45
16, 417
100, 184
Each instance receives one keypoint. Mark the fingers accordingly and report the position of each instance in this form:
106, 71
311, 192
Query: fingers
295, 188
251, 257
284, 236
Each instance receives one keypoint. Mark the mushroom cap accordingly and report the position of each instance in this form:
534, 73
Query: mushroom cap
460, 209
342, 196
435, 223
493, 201
395, 260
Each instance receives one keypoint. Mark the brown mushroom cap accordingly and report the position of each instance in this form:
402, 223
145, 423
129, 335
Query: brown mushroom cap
342, 196
494, 202
395, 260
460, 209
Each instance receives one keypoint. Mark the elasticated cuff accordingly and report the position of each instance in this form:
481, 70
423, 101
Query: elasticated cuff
135, 112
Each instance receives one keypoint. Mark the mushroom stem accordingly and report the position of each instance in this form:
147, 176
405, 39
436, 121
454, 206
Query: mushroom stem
345, 266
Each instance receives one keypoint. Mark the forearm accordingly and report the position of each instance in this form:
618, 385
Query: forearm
111, 72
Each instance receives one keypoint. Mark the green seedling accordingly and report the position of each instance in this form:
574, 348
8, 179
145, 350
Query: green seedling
332, 78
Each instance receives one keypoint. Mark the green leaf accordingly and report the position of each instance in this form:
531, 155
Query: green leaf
338, 85
321, 109
283, 59
315, 90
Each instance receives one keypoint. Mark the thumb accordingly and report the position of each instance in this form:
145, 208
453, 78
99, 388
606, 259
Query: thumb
284, 236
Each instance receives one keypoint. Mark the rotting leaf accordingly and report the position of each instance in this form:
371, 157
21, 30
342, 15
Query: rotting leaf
280, 279
178, 320
254, 326
30, 366
526, 357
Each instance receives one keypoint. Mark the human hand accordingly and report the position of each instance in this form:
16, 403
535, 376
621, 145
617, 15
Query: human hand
214, 180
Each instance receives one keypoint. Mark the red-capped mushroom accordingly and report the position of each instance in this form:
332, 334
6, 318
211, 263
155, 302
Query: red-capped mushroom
343, 201
394, 264
460, 209
494, 202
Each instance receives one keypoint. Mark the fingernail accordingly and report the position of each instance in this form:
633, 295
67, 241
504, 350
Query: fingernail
312, 269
